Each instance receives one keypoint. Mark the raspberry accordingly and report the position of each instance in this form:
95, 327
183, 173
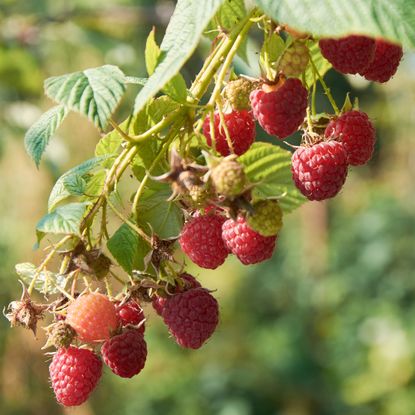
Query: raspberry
357, 134
241, 129
320, 171
237, 93
282, 111
192, 317
201, 240
295, 59
229, 178
93, 317
126, 353
187, 282
266, 218
385, 62
61, 334
350, 54
74, 374
131, 313
249, 246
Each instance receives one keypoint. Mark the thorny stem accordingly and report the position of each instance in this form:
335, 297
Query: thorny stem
227, 63
325, 87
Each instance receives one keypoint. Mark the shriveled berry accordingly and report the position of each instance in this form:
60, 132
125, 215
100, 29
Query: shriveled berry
295, 59
126, 353
74, 374
280, 112
249, 246
357, 134
192, 317
351, 54
93, 316
201, 240
241, 129
385, 63
61, 334
229, 178
266, 218
320, 171
131, 313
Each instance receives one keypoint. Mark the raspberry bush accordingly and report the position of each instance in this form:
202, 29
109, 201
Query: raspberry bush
201, 185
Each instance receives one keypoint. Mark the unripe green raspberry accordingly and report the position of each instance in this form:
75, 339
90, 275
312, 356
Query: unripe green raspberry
229, 178
237, 93
267, 217
295, 59
198, 195
61, 334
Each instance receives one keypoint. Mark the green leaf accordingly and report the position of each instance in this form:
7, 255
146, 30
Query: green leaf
94, 92
269, 168
128, 248
394, 20
65, 219
182, 36
321, 63
46, 281
152, 52
271, 50
151, 114
73, 182
176, 87
164, 217
110, 144
228, 15
95, 184
40, 133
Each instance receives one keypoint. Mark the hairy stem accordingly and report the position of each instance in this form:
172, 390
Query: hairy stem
325, 87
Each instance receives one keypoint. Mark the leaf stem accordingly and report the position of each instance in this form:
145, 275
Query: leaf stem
325, 87
132, 225
171, 135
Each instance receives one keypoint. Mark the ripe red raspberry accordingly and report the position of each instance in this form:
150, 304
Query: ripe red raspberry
350, 54
357, 134
192, 317
93, 317
282, 111
201, 240
131, 313
241, 128
320, 171
187, 282
249, 246
126, 353
74, 374
385, 62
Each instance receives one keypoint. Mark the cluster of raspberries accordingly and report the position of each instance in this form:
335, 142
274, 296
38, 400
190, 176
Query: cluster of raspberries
113, 333
319, 168
209, 238
92, 328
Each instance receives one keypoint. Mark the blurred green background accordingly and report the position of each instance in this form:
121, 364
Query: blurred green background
327, 327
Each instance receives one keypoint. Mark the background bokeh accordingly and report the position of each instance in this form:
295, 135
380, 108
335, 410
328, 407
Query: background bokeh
327, 327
